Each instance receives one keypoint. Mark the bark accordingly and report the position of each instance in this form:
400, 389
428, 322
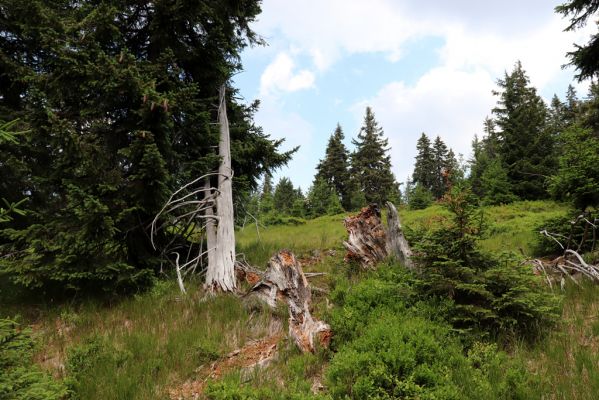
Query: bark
285, 281
221, 274
367, 242
397, 245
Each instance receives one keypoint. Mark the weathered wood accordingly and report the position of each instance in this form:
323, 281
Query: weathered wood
285, 281
367, 242
221, 275
397, 245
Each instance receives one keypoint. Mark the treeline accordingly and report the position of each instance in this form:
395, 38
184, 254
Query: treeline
344, 181
529, 151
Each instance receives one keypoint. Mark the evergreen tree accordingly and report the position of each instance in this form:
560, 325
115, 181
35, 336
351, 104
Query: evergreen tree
440, 168
117, 99
577, 178
586, 57
334, 168
424, 168
526, 145
495, 186
284, 197
322, 199
420, 197
370, 163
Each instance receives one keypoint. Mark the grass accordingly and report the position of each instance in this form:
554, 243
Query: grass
318, 234
567, 361
140, 347
509, 227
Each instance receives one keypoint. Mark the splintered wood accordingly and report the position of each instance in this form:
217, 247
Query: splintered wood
370, 242
367, 242
284, 280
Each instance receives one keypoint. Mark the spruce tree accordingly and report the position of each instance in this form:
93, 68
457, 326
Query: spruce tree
117, 99
440, 168
526, 144
371, 163
284, 197
424, 168
334, 168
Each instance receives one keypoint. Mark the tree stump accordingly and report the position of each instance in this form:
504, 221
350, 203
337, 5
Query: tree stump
284, 280
367, 242
370, 242
397, 245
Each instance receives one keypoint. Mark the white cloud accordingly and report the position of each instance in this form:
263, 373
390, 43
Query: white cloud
297, 131
279, 76
481, 41
445, 102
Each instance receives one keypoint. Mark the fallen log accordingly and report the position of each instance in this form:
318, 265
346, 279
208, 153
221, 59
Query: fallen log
285, 281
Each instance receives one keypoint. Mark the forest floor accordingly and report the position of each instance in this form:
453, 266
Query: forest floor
162, 344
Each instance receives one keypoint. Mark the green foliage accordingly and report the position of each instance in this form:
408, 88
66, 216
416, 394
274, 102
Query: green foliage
577, 177
116, 118
392, 345
284, 197
322, 200
334, 168
525, 144
420, 198
371, 163
585, 57
20, 379
495, 185
424, 168
569, 232
490, 295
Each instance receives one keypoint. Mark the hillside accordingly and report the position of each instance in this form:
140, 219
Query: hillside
161, 343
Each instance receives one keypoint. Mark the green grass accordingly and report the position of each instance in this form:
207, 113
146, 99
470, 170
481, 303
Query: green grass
509, 227
140, 347
567, 361
258, 245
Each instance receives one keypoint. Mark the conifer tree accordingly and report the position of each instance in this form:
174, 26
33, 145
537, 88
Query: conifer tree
440, 168
424, 168
118, 101
334, 168
370, 162
322, 199
284, 197
526, 145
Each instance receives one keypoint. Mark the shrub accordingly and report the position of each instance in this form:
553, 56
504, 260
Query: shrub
19, 378
489, 295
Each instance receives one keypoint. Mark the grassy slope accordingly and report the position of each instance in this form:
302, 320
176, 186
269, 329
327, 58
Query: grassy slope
142, 346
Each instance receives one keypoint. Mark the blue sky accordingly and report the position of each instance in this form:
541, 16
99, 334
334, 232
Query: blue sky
422, 67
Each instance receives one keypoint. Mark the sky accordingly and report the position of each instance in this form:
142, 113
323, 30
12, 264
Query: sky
423, 66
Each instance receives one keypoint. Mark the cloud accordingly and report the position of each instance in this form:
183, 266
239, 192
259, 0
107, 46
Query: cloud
280, 123
445, 102
279, 76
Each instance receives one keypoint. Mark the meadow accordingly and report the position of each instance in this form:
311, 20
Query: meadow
149, 346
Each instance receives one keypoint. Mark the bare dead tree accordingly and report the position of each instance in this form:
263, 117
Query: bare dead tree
198, 213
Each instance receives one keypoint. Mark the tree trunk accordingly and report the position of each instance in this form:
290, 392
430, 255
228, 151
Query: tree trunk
397, 245
367, 237
210, 227
221, 274
284, 280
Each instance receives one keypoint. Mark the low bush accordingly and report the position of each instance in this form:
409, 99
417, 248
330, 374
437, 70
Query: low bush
20, 379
